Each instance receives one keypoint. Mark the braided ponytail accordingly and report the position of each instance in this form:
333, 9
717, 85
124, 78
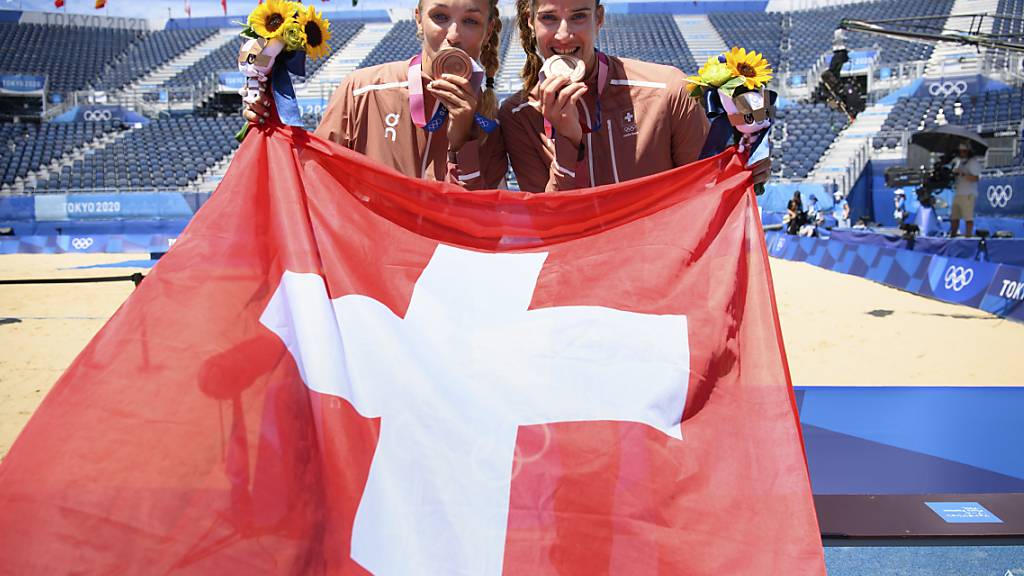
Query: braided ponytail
490, 59
531, 70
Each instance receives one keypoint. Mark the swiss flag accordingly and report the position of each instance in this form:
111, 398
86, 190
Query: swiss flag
340, 370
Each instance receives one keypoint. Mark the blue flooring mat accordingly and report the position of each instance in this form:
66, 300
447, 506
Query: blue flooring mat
125, 264
926, 561
913, 440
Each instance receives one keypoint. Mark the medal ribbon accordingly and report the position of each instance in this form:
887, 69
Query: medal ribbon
417, 101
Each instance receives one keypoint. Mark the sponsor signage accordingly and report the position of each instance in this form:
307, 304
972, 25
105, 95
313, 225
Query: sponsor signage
963, 513
860, 62
957, 280
950, 87
99, 113
22, 84
230, 81
60, 207
1001, 196
1005, 295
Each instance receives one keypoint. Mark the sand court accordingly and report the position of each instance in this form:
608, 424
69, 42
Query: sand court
839, 330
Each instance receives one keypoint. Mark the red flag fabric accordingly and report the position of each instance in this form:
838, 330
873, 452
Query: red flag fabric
58, 3
340, 370
224, 6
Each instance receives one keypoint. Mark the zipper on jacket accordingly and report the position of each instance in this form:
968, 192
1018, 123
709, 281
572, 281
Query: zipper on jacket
611, 144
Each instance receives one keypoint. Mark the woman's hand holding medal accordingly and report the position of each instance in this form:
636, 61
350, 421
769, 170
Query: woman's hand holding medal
451, 71
559, 93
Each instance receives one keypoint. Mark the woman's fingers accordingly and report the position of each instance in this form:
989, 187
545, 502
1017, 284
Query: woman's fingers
575, 93
549, 91
452, 94
258, 111
565, 97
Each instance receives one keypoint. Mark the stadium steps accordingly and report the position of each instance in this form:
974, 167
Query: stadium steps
848, 155
508, 80
153, 80
951, 59
209, 180
343, 62
54, 167
700, 36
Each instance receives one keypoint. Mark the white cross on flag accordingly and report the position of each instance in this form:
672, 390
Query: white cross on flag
337, 370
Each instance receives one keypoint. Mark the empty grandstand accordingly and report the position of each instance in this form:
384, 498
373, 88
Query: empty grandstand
116, 107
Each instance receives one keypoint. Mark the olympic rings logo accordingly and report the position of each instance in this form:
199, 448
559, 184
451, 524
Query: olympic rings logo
999, 195
81, 243
957, 88
96, 115
957, 278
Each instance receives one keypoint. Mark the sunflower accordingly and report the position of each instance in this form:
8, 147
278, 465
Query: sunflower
268, 19
318, 32
751, 66
712, 74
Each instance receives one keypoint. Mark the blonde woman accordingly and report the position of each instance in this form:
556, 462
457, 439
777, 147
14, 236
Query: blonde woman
425, 127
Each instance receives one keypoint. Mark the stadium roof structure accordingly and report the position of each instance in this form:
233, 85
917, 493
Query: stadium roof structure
936, 29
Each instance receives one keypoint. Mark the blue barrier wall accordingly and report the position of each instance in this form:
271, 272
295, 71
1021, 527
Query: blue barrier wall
113, 206
996, 288
87, 243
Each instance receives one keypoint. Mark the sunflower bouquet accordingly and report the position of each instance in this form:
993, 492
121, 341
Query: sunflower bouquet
281, 35
733, 90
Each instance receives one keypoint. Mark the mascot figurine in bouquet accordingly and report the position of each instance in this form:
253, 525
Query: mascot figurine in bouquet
732, 89
280, 36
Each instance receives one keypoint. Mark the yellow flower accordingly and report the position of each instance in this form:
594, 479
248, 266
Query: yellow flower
318, 32
294, 36
714, 72
269, 19
751, 66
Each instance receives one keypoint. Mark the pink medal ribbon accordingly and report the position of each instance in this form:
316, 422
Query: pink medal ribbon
417, 101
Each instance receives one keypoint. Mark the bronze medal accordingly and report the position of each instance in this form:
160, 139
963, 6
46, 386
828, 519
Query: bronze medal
569, 66
452, 61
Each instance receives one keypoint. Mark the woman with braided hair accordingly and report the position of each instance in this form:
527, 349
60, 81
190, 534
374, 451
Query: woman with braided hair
415, 116
614, 120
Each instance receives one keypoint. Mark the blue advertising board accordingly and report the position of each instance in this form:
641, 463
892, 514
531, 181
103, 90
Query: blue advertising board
22, 84
1005, 294
1001, 196
63, 207
957, 280
860, 62
230, 81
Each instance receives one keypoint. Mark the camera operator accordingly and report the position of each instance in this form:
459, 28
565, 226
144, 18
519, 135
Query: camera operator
840, 55
967, 168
